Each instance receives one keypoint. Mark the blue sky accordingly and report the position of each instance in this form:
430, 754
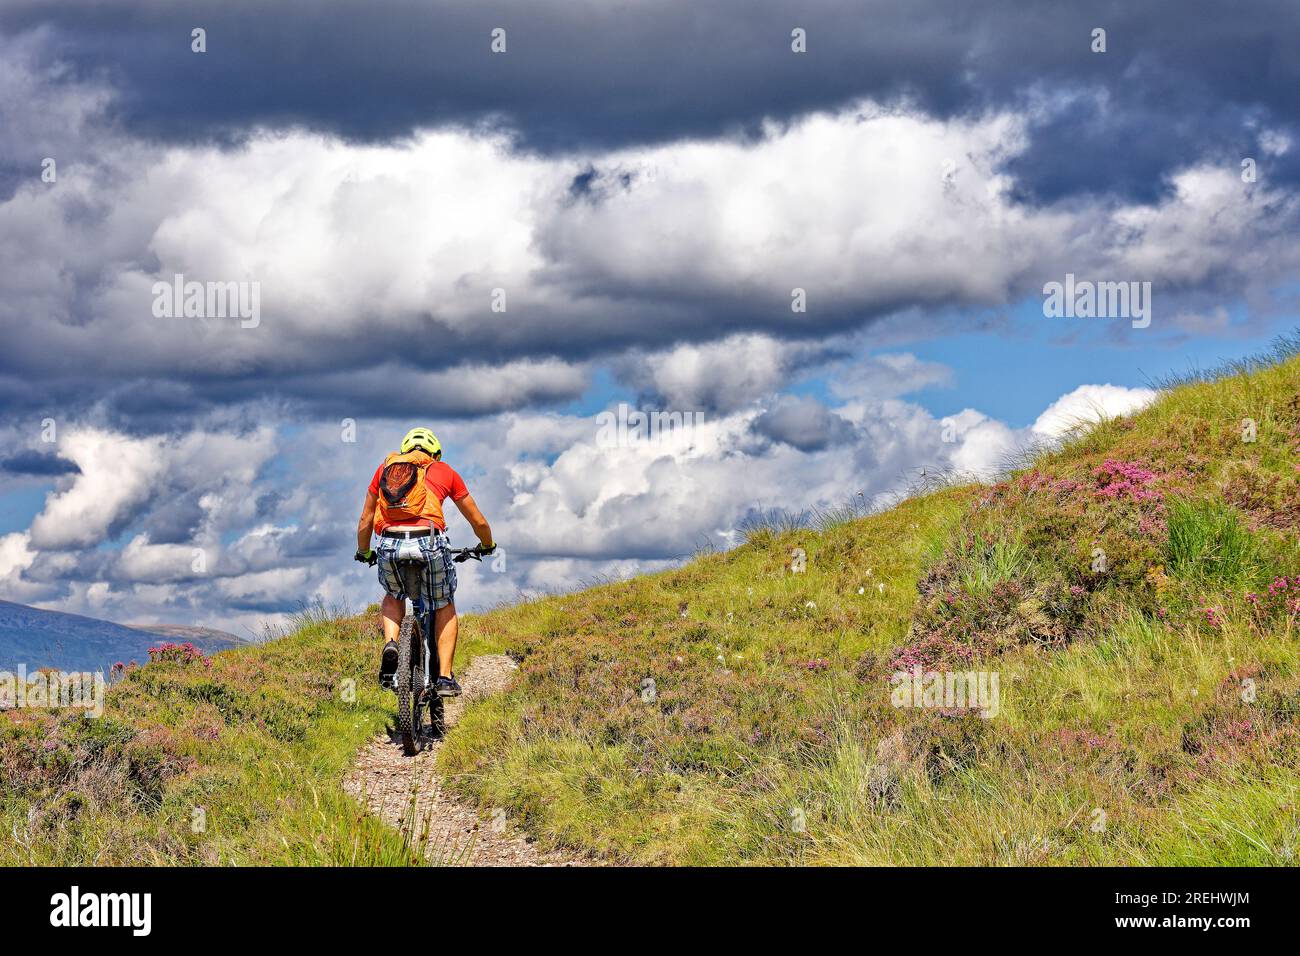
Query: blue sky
650, 190
1014, 374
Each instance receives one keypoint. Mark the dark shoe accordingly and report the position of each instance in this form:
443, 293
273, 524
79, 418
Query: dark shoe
388, 665
447, 687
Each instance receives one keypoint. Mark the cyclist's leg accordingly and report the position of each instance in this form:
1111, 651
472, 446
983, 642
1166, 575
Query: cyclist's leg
442, 593
394, 605
393, 611
446, 627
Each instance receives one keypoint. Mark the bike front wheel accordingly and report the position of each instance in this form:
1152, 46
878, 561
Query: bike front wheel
410, 684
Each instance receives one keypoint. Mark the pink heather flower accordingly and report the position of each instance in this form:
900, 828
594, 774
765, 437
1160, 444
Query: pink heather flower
179, 653
1152, 525
1125, 479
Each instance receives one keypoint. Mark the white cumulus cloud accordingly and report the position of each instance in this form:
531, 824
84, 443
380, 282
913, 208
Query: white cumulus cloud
1088, 404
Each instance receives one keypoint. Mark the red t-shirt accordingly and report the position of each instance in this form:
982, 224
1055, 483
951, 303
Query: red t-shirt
441, 480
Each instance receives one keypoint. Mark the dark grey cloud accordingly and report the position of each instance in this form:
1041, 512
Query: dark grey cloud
803, 423
1093, 145
723, 375
165, 399
1178, 76
38, 464
173, 520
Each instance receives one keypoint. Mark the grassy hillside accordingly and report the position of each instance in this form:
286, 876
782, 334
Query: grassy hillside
1137, 594
1148, 711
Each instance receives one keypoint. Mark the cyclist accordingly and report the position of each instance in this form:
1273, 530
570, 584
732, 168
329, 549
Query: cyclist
404, 508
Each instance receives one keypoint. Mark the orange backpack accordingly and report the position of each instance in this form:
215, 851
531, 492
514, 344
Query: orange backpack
404, 498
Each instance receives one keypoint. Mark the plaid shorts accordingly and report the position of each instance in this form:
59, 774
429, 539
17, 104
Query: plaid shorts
439, 578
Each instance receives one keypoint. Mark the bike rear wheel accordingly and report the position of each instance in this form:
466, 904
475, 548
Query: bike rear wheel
437, 725
410, 684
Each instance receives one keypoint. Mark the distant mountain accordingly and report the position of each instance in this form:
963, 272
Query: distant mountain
37, 638
198, 636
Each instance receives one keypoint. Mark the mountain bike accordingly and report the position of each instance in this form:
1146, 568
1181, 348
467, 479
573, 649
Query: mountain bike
417, 659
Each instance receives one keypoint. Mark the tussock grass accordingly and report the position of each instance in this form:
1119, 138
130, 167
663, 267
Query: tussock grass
1280, 351
985, 565
1209, 541
762, 525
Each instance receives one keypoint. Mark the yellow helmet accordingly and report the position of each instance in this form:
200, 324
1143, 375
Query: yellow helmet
423, 439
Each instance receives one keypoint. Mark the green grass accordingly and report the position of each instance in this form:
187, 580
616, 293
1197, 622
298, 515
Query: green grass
1122, 588
985, 565
1209, 541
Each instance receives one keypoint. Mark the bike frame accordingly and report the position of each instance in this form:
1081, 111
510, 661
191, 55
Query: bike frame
412, 572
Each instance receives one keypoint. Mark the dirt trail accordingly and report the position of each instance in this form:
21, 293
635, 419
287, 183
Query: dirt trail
384, 780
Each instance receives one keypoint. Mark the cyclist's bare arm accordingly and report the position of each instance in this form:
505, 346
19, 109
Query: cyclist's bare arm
476, 520
367, 522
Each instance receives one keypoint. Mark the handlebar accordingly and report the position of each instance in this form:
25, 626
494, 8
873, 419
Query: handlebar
461, 555
464, 554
